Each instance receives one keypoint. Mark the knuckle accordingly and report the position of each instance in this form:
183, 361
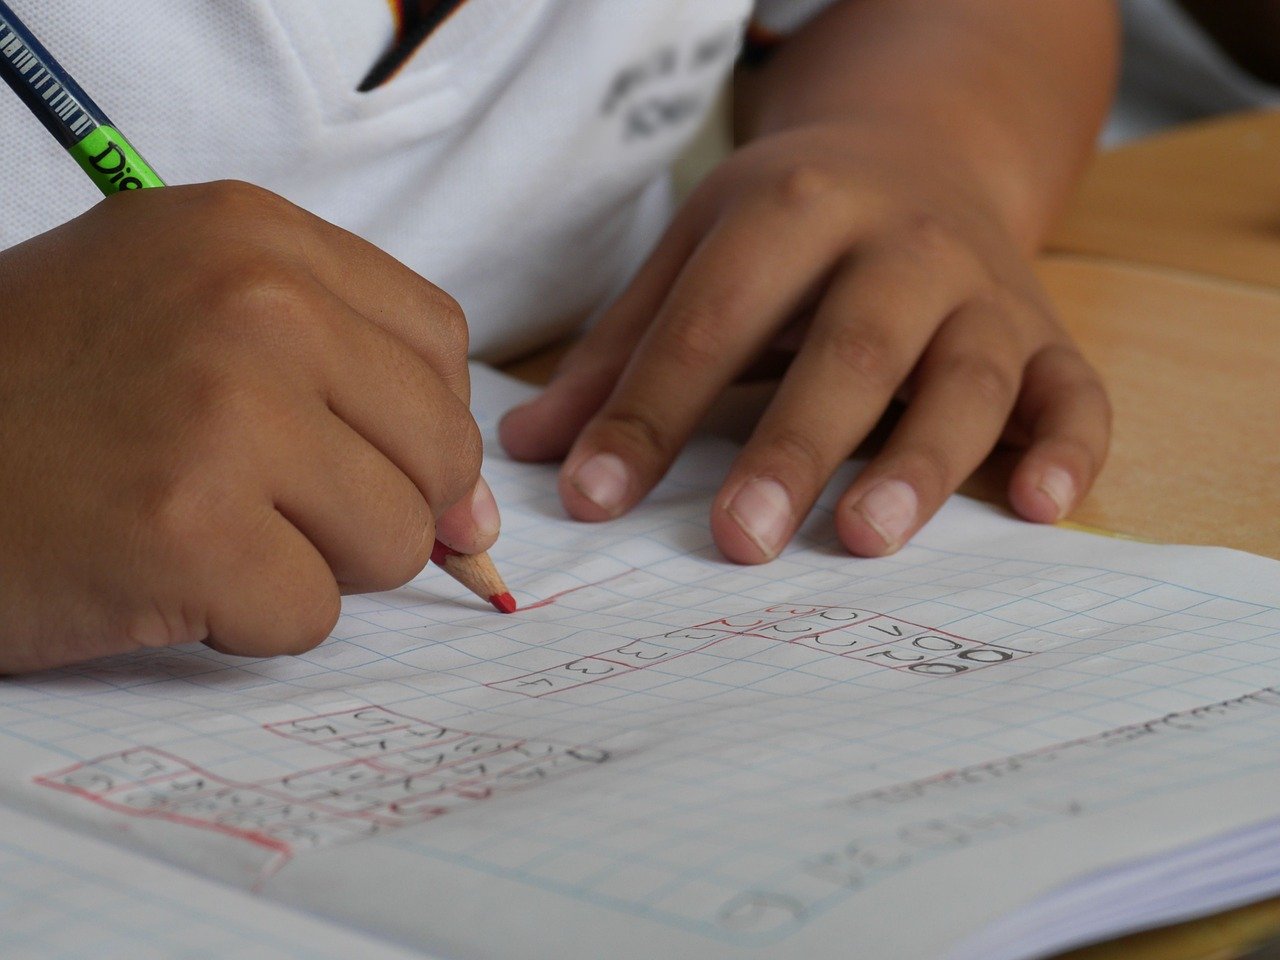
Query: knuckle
863, 355
1003, 305
1090, 388
1082, 383
451, 324
802, 452
1013, 316
447, 308
992, 382
176, 515
236, 201
638, 431
927, 233
269, 305
693, 337
275, 297
931, 242
1068, 354
1084, 454
931, 469
1039, 310
249, 289
806, 185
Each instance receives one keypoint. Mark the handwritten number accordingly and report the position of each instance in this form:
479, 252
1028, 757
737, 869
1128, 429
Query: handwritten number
608, 668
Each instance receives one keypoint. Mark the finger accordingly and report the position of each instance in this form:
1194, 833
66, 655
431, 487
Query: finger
545, 427
748, 275
367, 519
268, 594
874, 320
1067, 417
967, 385
400, 405
472, 524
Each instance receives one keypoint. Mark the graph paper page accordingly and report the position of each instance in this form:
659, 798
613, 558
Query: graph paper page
667, 755
68, 897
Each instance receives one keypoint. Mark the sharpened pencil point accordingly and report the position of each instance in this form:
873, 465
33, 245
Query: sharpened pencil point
476, 572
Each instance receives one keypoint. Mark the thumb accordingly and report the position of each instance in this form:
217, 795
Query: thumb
471, 525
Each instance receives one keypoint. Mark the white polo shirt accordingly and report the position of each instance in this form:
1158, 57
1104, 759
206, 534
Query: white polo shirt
1174, 73
518, 158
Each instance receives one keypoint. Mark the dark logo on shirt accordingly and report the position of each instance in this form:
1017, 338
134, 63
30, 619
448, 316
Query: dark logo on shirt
416, 21
672, 87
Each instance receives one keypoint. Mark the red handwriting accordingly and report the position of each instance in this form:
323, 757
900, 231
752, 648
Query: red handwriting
390, 770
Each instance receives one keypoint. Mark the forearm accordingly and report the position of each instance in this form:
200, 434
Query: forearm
1010, 91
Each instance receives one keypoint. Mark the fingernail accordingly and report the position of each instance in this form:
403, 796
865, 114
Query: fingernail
604, 480
890, 509
1057, 485
484, 510
762, 509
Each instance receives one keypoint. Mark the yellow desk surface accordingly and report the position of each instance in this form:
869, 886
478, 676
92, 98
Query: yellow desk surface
1167, 270
1193, 369
1204, 198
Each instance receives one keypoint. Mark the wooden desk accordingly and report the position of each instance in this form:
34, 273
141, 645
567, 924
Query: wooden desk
1204, 198
1192, 368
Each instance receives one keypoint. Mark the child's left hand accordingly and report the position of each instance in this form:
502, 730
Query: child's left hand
891, 270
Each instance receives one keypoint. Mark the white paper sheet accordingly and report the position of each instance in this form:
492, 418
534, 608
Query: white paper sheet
667, 755
68, 896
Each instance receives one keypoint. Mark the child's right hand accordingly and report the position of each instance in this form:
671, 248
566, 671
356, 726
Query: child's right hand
218, 412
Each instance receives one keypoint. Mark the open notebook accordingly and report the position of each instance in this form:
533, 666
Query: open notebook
1003, 741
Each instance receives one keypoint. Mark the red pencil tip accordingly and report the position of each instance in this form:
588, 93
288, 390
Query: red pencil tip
503, 602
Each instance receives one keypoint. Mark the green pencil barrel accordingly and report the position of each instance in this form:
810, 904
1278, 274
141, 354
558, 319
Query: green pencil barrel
113, 163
